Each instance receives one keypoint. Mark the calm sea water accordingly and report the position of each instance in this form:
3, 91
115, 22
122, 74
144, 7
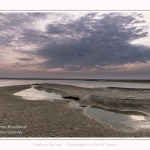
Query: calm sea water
90, 84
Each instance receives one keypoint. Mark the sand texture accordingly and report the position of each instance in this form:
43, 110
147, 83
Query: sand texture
57, 119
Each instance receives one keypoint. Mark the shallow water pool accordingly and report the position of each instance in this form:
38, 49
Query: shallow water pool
122, 120
33, 94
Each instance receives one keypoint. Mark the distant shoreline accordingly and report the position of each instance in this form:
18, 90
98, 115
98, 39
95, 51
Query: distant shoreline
101, 80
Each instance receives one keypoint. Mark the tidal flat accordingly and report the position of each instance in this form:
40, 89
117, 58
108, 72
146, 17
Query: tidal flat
44, 118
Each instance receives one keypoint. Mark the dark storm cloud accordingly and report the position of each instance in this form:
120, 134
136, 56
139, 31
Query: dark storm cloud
11, 20
25, 59
93, 41
13, 24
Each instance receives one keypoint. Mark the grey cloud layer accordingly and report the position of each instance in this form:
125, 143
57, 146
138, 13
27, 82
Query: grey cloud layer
91, 41
103, 42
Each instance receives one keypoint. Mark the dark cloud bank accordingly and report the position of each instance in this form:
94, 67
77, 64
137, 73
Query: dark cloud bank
93, 41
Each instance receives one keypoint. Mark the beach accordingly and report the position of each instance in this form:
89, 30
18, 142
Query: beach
43, 118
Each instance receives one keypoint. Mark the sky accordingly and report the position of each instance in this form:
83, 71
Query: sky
104, 45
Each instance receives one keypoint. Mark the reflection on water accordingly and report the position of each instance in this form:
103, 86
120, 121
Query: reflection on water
137, 117
33, 94
118, 119
80, 83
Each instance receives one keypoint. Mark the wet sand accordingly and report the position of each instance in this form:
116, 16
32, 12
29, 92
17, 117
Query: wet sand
57, 119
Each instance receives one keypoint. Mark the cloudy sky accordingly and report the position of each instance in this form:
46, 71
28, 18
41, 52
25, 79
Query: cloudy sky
75, 44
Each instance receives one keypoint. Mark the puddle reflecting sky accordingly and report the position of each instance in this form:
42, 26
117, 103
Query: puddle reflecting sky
33, 94
116, 119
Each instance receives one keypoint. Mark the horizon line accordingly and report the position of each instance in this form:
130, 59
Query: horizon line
85, 79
